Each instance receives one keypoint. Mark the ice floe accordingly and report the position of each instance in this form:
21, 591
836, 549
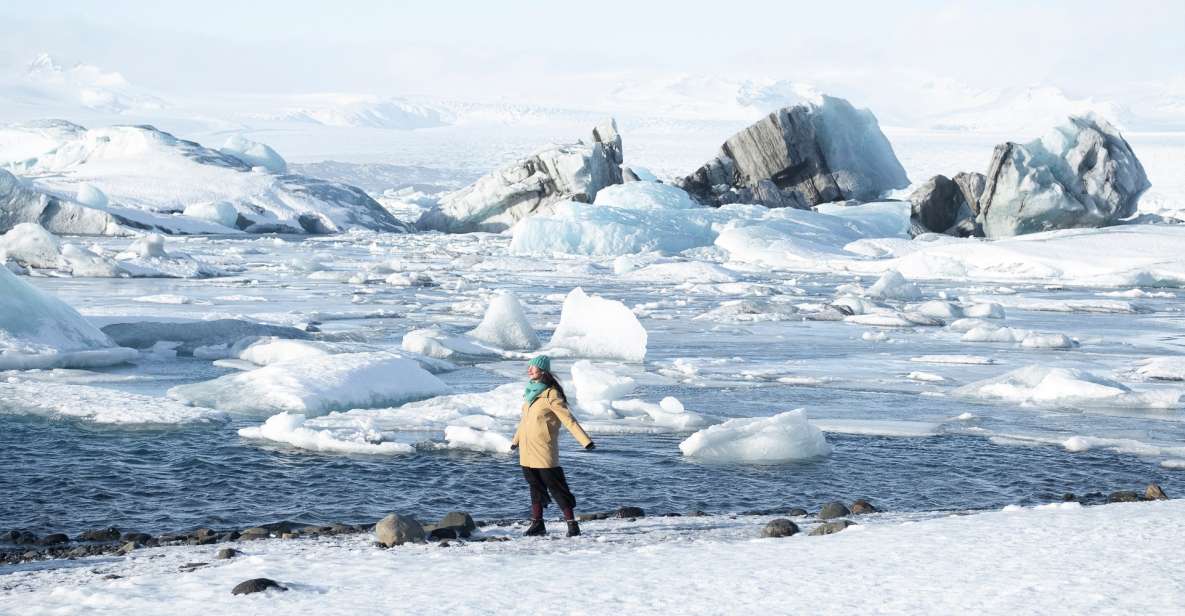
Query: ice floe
760, 440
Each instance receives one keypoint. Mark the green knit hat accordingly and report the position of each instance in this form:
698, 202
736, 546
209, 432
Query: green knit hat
541, 362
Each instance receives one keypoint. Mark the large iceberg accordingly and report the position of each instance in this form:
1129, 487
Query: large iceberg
108, 180
581, 228
571, 172
758, 440
802, 156
1081, 174
40, 331
592, 326
316, 385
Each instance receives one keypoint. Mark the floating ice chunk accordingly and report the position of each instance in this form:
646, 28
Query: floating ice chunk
749, 311
683, 271
1077, 444
1175, 464
928, 377
505, 325
433, 342
147, 257
1047, 341
881, 319
32, 246
268, 351
597, 383
855, 305
879, 427
164, 298
464, 437
763, 440
101, 405
645, 196
892, 285
994, 333
592, 326
83, 262
584, 229
254, 154
965, 325
939, 309
193, 334
1162, 368
317, 385
291, 429
38, 330
668, 415
988, 310
953, 359
218, 212
1044, 385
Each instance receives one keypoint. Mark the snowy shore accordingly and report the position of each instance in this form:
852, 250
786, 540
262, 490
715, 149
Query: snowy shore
1059, 558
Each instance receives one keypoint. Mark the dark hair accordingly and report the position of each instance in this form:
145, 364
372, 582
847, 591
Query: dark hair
549, 380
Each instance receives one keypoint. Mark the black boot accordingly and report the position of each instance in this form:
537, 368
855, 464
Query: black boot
537, 529
573, 528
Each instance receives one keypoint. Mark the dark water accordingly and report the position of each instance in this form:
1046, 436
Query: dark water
62, 476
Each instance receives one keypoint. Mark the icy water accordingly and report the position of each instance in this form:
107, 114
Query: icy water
906, 444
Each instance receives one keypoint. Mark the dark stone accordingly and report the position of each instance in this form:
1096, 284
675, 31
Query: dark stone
1153, 492
443, 533
1123, 496
796, 512
830, 528
202, 533
398, 529
460, 521
939, 206
54, 539
696, 514
862, 506
1069, 497
191, 567
629, 512
585, 517
24, 537
226, 553
128, 547
253, 533
256, 585
780, 527
137, 537
101, 534
834, 509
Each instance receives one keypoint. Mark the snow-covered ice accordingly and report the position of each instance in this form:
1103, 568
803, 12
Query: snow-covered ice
765, 440
505, 325
314, 385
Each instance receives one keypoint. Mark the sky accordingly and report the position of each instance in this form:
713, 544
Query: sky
562, 53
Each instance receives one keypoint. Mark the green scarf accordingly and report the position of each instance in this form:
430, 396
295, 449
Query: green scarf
534, 390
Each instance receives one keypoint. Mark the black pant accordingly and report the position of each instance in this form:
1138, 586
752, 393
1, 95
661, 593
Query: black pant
544, 480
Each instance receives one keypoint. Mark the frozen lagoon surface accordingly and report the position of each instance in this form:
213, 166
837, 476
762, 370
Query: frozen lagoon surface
923, 420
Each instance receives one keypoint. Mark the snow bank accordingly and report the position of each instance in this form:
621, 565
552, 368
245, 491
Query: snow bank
505, 325
38, 330
764, 440
592, 326
290, 429
316, 385
1043, 385
98, 405
1024, 561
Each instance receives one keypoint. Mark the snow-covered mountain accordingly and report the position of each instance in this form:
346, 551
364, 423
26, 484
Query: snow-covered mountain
85, 85
1025, 112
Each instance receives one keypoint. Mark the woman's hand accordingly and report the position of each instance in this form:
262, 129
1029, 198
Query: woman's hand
513, 446
591, 445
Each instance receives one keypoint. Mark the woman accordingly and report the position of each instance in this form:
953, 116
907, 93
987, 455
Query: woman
545, 407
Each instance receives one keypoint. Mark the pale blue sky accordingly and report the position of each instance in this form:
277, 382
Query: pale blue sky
503, 49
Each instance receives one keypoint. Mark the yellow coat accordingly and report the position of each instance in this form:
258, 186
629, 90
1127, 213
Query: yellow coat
537, 435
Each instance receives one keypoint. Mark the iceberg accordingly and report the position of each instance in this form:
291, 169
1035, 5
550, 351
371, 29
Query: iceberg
39, 331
